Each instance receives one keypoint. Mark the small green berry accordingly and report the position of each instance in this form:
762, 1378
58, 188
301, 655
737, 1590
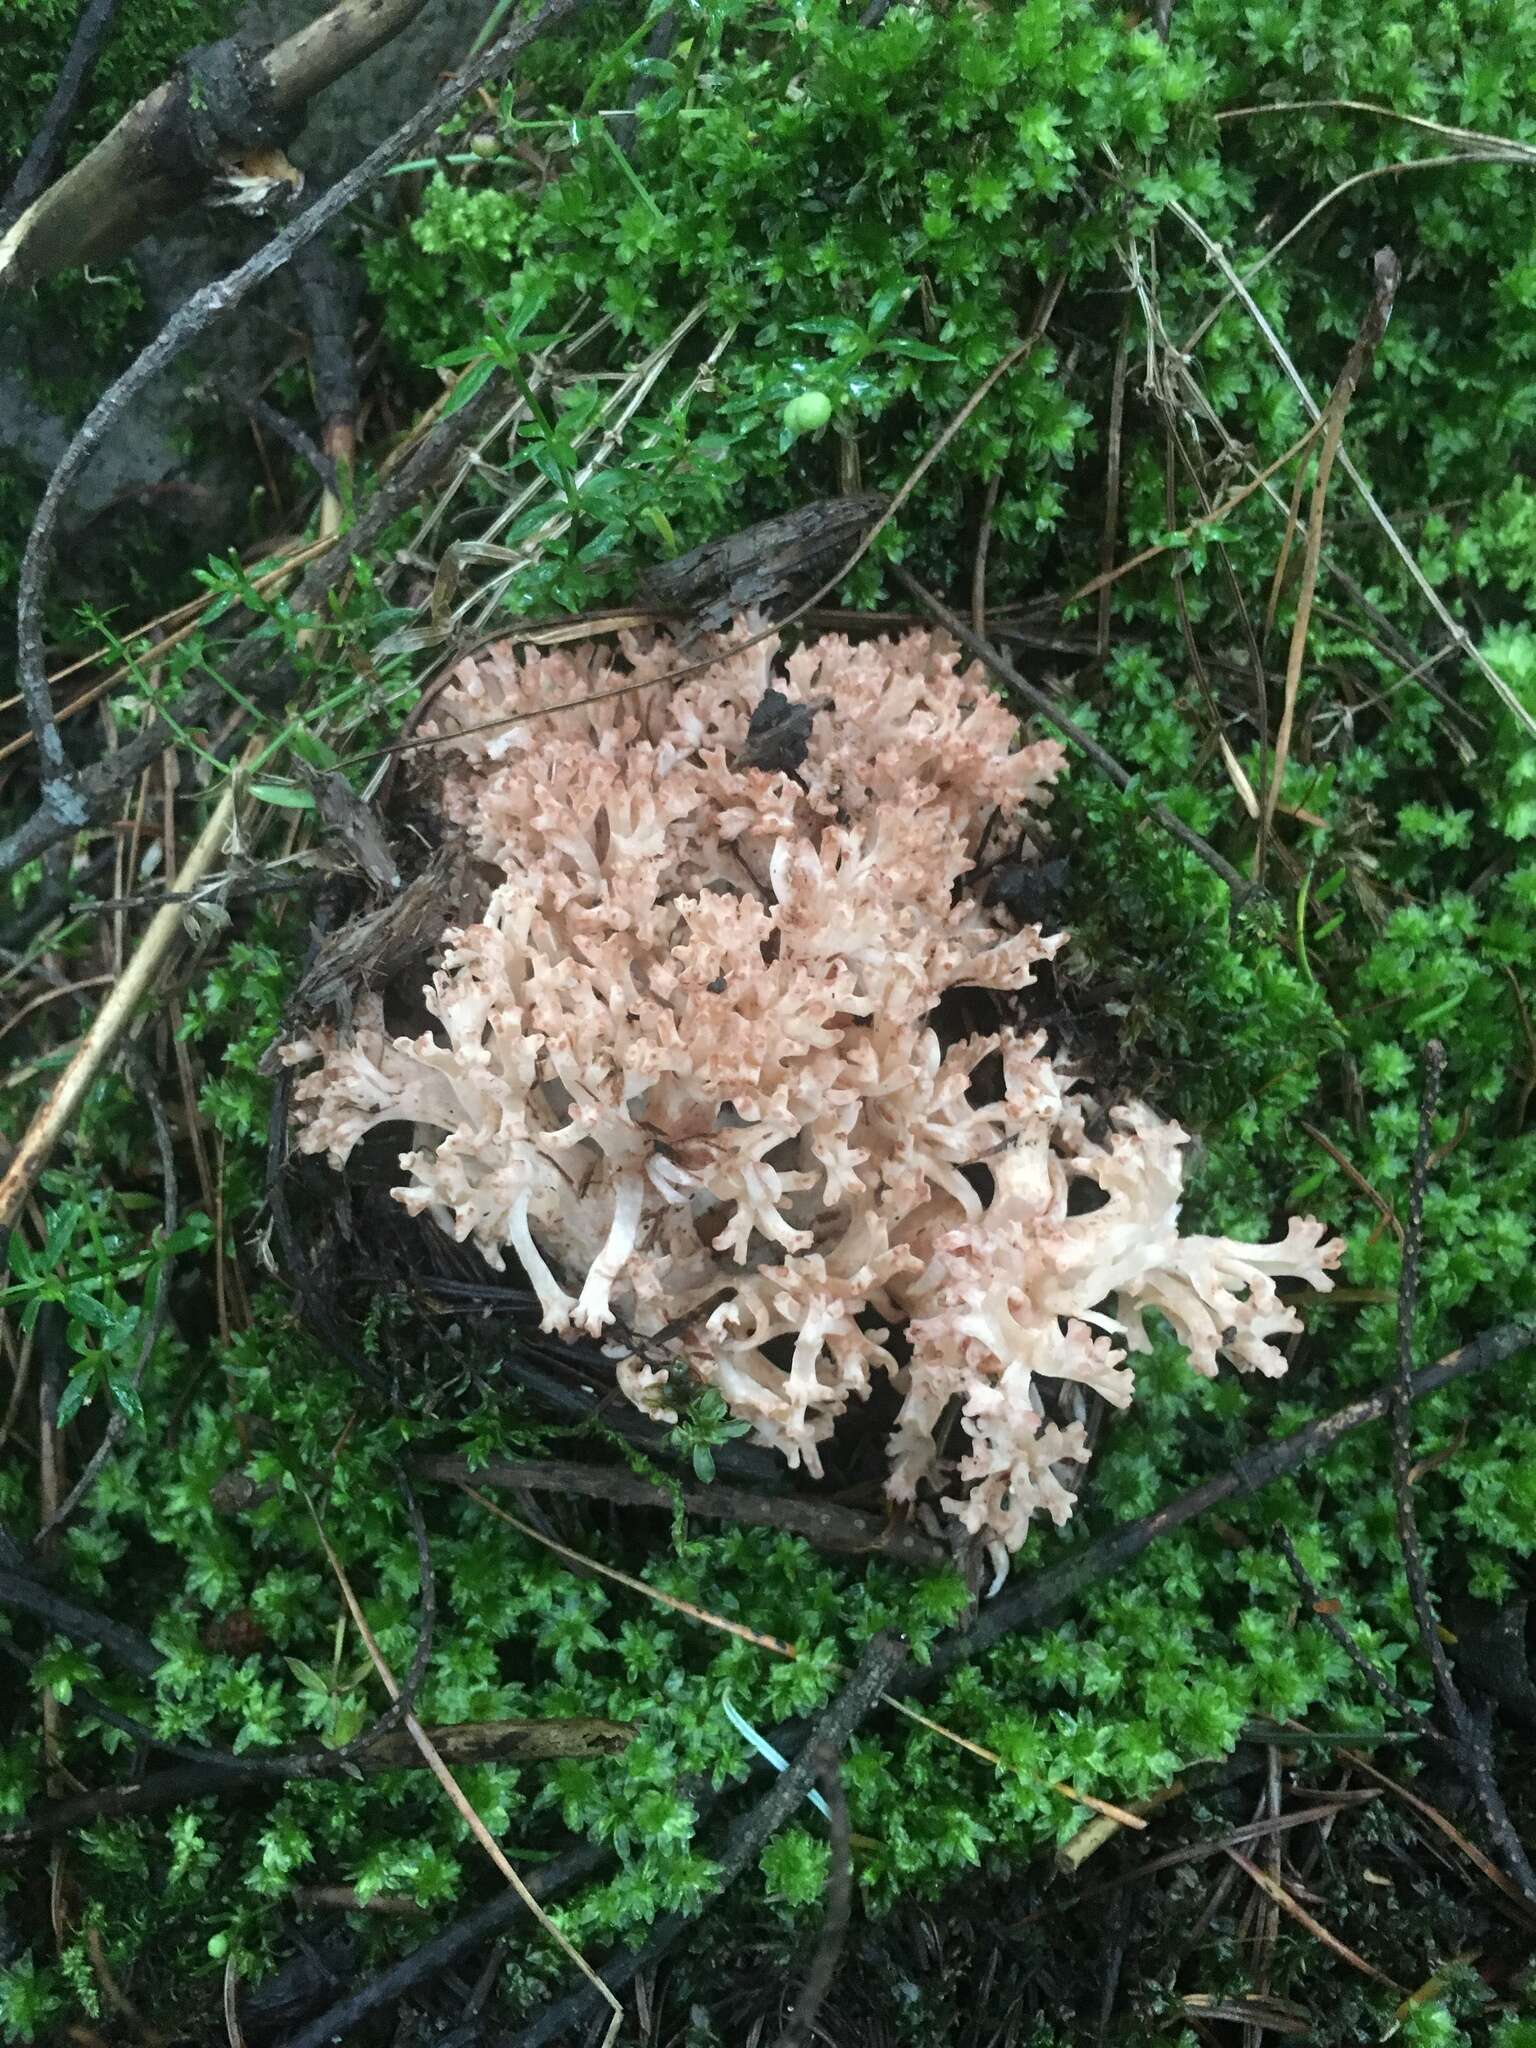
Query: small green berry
485, 145
803, 415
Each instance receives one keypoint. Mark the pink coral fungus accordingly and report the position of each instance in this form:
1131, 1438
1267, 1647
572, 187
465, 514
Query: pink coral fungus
686, 1068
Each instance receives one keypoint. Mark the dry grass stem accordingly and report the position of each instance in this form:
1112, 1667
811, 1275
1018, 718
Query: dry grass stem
1374, 326
112, 1020
775, 1645
1274, 1890
454, 1791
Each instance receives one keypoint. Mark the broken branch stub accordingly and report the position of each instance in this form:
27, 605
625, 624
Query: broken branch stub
225, 101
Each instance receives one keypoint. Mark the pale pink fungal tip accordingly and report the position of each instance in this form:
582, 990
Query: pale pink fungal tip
686, 1066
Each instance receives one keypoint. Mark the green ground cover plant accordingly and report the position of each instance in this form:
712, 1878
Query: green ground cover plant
869, 216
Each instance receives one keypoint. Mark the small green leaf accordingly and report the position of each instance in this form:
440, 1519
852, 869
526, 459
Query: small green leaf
919, 351
473, 380
284, 795
311, 748
126, 1395
77, 1391
88, 1307
61, 1228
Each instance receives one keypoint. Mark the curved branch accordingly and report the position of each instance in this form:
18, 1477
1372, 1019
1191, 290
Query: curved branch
201, 312
433, 1957
877, 1668
96, 786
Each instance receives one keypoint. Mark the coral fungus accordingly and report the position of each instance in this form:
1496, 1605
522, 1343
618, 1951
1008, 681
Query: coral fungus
686, 1068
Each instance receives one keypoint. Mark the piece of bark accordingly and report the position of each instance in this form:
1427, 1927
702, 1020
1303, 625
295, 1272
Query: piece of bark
1029, 890
466, 1744
357, 825
763, 566
500, 1742
329, 291
226, 103
364, 956
779, 733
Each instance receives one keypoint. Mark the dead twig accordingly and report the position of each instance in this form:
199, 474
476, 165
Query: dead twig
182, 620
341, 2019
1388, 271
1355, 1177
289, 432
1481, 1863
20, 1589
1455, 631
834, 1925
1046, 1594
1323, 1611
1195, 1852
1019, 353
434, 1762
343, 1898
1111, 485
328, 293
329, 290
1218, 512
68, 1618
115, 1996
224, 102
1528, 1079
822, 1523
585, 1566
983, 549
882, 1658
1044, 707
1106, 1827
1049, 1590
466, 1744
1472, 1744
328, 564
111, 1020
1275, 1891
1236, 774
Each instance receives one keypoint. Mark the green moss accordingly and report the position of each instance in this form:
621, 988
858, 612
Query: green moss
775, 184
